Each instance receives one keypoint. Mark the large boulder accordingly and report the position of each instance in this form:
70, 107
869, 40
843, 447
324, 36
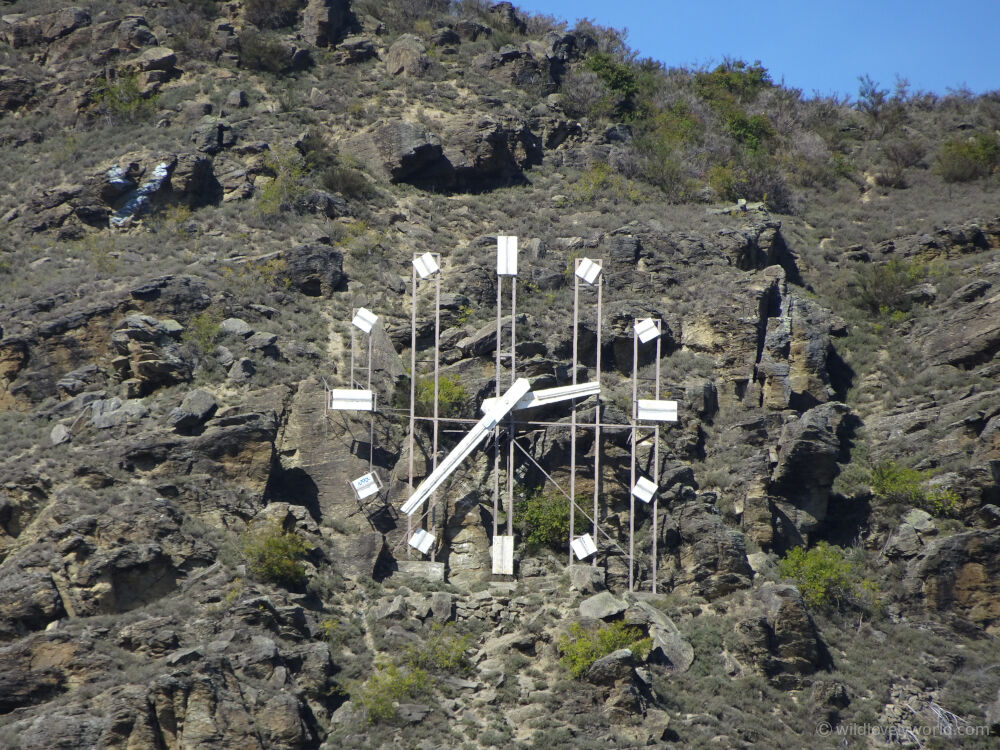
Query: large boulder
326, 22
777, 636
407, 55
400, 151
20, 31
315, 270
807, 465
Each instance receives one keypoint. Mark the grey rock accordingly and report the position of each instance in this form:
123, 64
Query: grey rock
224, 356
235, 327
243, 369
394, 608
59, 434
324, 22
441, 606
315, 270
616, 666
237, 98
261, 340
412, 713
111, 412
602, 606
586, 579
406, 55
197, 406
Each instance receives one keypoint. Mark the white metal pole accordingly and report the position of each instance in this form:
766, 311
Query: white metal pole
413, 390
656, 452
635, 439
572, 430
597, 413
437, 339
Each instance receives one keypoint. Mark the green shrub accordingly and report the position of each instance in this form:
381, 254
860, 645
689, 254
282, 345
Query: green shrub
271, 14
287, 169
600, 182
892, 483
581, 648
753, 132
618, 76
443, 651
732, 81
122, 99
879, 287
275, 555
543, 520
202, 330
389, 684
826, 576
264, 51
968, 159
453, 399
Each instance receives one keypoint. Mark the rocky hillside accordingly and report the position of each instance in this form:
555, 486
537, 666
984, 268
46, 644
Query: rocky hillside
196, 196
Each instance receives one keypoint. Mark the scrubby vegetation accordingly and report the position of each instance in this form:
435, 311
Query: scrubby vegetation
581, 648
827, 576
275, 555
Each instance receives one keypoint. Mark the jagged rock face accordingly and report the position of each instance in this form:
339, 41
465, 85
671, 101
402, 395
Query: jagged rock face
710, 559
959, 574
406, 55
36, 360
326, 22
807, 465
466, 157
778, 638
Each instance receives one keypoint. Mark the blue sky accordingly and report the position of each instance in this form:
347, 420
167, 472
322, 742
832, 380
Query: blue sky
814, 46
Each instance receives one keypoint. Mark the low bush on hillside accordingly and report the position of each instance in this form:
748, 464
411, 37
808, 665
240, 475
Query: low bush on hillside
121, 99
882, 287
389, 684
543, 520
453, 399
274, 555
581, 648
893, 483
826, 576
968, 159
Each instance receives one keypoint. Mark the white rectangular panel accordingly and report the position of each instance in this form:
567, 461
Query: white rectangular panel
351, 399
366, 486
583, 546
364, 319
644, 489
506, 256
588, 270
650, 410
426, 265
646, 330
503, 555
422, 540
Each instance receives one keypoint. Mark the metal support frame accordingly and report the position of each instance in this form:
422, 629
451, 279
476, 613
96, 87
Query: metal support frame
597, 408
592, 276
634, 443
413, 385
368, 386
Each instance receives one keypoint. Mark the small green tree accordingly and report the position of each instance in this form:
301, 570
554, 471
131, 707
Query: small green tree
275, 555
453, 399
893, 483
883, 286
825, 576
968, 159
389, 684
122, 100
581, 648
543, 520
